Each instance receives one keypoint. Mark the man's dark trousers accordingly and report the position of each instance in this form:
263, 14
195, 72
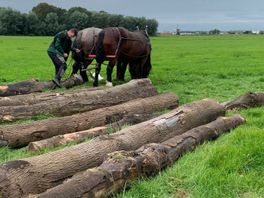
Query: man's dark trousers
59, 63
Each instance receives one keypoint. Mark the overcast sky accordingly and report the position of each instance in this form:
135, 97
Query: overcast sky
188, 14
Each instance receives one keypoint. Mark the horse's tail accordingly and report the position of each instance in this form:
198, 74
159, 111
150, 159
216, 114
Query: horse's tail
147, 67
100, 52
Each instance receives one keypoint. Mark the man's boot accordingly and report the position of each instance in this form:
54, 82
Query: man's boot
58, 77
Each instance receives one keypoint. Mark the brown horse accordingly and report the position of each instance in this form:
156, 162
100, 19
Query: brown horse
118, 45
86, 42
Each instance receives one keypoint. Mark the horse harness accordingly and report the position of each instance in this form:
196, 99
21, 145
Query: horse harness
117, 51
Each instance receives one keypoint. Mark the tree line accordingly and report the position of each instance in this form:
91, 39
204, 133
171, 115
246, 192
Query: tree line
45, 20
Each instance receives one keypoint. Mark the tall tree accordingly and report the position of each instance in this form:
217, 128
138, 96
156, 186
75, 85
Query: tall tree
115, 20
11, 22
52, 23
46, 19
77, 20
43, 9
152, 26
129, 23
33, 26
100, 19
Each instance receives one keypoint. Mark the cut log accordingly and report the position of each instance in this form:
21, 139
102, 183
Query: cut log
36, 174
82, 102
131, 119
35, 98
22, 134
31, 86
121, 167
245, 101
73, 80
24, 87
60, 140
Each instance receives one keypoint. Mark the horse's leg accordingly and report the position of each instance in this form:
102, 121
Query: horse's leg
123, 71
138, 69
83, 73
118, 70
109, 72
97, 72
143, 68
75, 67
132, 70
78, 59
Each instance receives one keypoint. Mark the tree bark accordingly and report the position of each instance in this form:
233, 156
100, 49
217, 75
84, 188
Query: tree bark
31, 86
123, 166
35, 98
37, 174
245, 101
82, 102
72, 81
60, 140
24, 87
22, 134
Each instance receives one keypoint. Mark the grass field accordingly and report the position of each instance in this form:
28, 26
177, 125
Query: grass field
194, 67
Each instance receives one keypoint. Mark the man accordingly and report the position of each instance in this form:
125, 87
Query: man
59, 50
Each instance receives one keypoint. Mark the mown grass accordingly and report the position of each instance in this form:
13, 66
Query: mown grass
194, 67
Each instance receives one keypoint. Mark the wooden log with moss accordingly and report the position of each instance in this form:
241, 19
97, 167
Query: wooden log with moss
248, 100
121, 167
81, 102
80, 136
19, 135
36, 174
35, 98
32, 86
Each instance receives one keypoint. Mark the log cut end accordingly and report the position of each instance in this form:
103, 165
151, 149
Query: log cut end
73, 80
3, 88
23, 87
245, 101
6, 185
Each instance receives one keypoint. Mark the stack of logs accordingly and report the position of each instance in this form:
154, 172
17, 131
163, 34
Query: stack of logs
120, 153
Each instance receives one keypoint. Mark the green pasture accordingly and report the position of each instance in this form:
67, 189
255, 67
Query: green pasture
194, 67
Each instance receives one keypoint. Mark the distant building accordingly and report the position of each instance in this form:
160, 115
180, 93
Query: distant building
193, 32
178, 31
256, 32
165, 33
186, 33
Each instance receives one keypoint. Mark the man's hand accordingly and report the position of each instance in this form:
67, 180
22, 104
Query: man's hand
77, 51
65, 55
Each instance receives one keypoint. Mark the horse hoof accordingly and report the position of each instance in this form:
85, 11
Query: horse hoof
109, 84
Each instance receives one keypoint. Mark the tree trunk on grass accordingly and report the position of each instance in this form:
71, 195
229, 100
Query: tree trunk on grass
72, 81
31, 86
35, 98
24, 87
60, 140
121, 167
37, 174
245, 101
22, 134
82, 102
131, 119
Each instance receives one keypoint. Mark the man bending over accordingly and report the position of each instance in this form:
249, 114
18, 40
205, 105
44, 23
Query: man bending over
59, 50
